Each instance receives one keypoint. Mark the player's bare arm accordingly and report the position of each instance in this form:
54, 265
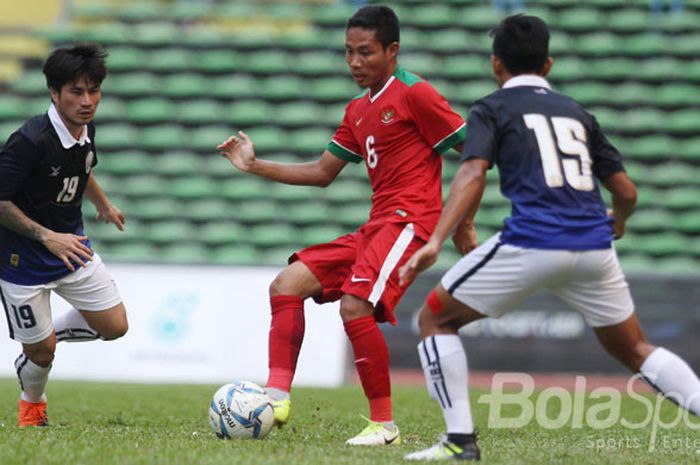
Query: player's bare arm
460, 208
624, 200
105, 210
65, 246
240, 151
464, 237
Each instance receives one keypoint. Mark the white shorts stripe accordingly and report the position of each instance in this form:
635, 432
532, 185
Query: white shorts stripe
392, 259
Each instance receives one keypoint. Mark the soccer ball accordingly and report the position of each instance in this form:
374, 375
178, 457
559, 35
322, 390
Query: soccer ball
241, 410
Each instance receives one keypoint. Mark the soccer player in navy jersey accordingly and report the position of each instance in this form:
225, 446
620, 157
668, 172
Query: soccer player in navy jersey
399, 127
549, 152
45, 170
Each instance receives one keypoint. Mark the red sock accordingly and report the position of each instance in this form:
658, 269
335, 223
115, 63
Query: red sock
284, 343
372, 362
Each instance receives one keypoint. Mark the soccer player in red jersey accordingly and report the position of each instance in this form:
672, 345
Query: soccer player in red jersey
398, 127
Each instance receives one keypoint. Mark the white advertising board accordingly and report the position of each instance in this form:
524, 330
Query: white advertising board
195, 325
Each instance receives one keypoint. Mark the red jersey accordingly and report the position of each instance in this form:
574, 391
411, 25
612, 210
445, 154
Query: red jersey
400, 133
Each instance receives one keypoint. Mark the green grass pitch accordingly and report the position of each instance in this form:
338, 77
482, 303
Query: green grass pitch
122, 424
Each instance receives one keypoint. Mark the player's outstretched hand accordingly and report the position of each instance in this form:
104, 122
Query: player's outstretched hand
111, 214
240, 151
68, 247
464, 238
423, 259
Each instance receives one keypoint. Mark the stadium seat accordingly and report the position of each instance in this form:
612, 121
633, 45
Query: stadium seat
117, 136
333, 89
319, 234
245, 113
580, 19
222, 233
135, 84
235, 255
267, 62
199, 112
306, 213
282, 88
193, 187
218, 61
183, 85
205, 139
235, 86
628, 20
163, 137
187, 253
172, 232
243, 189
155, 208
170, 60
255, 212
131, 252
309, 141
208, 209
272, 235
295, 114
149, 110
124, 163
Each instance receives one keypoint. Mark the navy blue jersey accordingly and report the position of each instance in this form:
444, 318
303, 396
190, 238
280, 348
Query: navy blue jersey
549, 151
46, 181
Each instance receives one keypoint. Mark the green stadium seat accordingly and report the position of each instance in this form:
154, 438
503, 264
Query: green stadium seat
641, 121
319, 234
199, 112
205, 139
288, 193
135, 84
258, 211
688, 149
11, 107
471, 91
657, 69
688, 223
144, 185
306, 213
569, 69
597, 44
267, 62
351, 216
277, 256
123, 163
174, 163
434, 16
628, 20
131, 252
193, 187
613, 69
184, 85
347, 191
272, 234
116, 136
31, 83
170, 60
247, 113
163, 137
149, 110
333, 89
682, 198
151, 34
450, 40
235, 255
682, 266
297, 114
268, 139
646, 221
172, 232
648, 148
336, 16
676, 94
155, 208
243, 189
662, 244
208, 209
236, 86
466, 67
125, 58
480, 18
580, 19
644, 44
672, 174
686, 22
184, 254
280, 87
637, 263
687, 45
111, 109
220, 233
309, 141
560, 44
683, 122
318, 63
217, 61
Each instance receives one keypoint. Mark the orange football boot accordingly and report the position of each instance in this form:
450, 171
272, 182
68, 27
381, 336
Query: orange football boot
31, 414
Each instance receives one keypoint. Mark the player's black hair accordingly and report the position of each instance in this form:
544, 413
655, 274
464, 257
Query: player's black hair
68, 64
379, 18
522, 43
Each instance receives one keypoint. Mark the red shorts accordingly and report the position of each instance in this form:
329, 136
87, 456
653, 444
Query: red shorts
364, 264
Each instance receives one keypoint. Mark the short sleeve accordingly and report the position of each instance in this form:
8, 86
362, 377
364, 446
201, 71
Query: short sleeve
17, 159
481, 135
343, 145
436, 121
606, 159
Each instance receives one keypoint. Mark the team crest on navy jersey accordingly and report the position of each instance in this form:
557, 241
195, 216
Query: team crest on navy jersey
387, 115
88, 161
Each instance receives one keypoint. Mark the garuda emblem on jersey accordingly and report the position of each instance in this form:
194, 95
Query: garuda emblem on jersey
88, 161
387, 115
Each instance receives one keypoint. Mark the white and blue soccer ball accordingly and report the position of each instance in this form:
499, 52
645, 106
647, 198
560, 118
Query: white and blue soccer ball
241, 410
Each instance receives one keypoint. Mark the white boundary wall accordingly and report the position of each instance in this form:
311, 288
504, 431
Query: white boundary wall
195, 324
